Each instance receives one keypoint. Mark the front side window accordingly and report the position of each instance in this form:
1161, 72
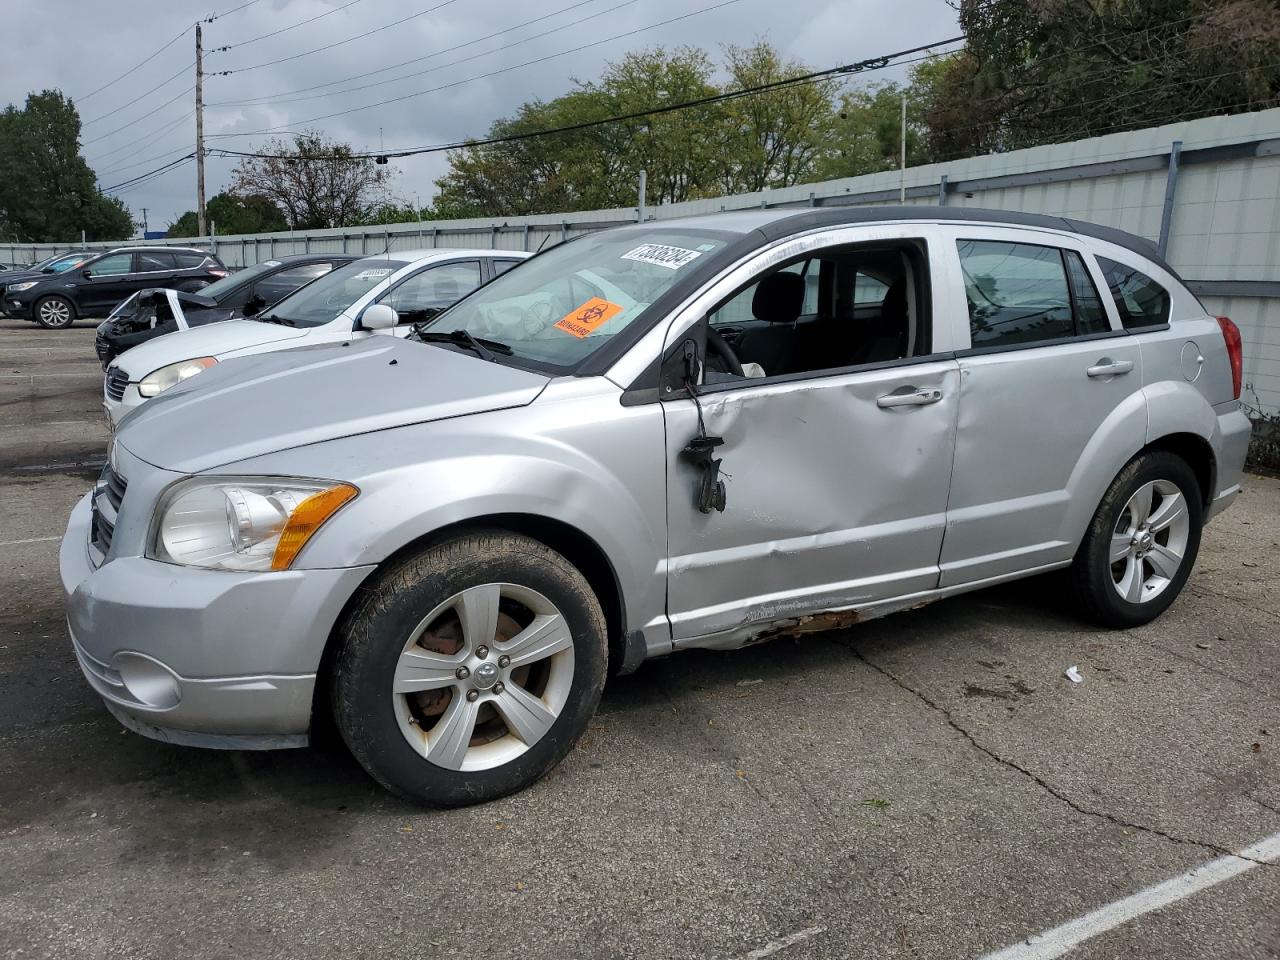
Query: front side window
843, 307
1140, 301
425, 294
112, 265
564, 305
324, 299
1020, 293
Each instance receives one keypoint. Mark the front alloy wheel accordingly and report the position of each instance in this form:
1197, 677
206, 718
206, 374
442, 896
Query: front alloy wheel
54, 313
469, 670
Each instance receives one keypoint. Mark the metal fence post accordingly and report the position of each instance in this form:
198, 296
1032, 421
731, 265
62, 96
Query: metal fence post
564, 230
525, 242
1170, 190
942, 191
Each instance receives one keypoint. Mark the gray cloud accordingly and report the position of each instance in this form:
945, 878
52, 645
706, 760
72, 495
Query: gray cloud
76, 47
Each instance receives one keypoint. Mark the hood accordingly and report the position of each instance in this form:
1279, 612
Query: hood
17, 276
212, 340
270, 402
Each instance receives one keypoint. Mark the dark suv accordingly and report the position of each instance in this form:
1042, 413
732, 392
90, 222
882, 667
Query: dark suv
94, 287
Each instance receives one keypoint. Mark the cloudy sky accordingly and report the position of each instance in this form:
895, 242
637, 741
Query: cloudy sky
478, 48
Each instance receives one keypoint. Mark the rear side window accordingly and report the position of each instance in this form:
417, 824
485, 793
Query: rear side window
151, 261
502, 266
1140, 300
187, 259
1020, 293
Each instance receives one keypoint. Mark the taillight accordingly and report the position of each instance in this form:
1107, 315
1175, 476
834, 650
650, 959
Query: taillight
1235, 353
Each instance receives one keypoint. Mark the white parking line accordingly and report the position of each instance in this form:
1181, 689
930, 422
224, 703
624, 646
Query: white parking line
769, 949
1059, 940
14, 543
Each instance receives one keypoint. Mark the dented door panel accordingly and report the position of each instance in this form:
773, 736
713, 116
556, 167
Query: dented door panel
832, 499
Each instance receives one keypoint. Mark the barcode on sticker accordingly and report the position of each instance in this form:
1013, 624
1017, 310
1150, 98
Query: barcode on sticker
661, 255
373, 273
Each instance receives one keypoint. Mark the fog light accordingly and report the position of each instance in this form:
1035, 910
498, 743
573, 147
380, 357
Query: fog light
148, 681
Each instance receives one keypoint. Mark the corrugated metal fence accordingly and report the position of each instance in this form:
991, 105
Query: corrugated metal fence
1207, 190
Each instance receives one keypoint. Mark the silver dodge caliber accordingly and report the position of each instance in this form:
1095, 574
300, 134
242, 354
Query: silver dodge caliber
691, 433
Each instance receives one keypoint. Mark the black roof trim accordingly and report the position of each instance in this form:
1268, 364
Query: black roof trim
829, 216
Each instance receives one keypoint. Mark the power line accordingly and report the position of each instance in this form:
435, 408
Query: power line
293, 26
142, 96
336, 43
492, 73
278, 98
111, 133
137, 146
149, 174
166, 155
862, 66
227, 13
138, 65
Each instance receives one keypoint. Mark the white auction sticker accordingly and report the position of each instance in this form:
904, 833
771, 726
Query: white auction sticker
661, 255
373, 274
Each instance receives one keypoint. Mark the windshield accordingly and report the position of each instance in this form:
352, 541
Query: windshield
234, 281
63, 263
564, 305
322, 300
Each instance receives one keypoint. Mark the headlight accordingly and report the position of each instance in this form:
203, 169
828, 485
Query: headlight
158, 381
19, 287
243, 524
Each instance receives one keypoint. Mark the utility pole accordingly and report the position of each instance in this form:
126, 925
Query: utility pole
144, 223
200, 213
901, 177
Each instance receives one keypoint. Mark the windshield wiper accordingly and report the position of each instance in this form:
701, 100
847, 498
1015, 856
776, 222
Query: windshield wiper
272, 318
483, 348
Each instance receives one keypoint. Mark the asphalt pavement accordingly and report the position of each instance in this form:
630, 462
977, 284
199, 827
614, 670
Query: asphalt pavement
929, 785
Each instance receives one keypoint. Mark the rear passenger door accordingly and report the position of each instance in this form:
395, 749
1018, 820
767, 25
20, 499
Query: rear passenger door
1051, 401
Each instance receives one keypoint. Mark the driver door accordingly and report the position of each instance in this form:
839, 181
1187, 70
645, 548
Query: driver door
836, 477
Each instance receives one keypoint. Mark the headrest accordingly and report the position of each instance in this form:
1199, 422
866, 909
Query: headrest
445, 288
779, 298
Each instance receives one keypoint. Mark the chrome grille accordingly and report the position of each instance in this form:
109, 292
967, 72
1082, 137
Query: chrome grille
117, 380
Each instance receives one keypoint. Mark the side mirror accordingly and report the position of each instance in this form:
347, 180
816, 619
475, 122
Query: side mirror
47, 270
253, 305
86, 273
379, 316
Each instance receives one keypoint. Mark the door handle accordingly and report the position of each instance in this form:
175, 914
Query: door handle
917, 398
1110, 368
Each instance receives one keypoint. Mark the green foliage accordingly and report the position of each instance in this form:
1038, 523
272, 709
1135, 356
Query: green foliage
231, 214
47, 191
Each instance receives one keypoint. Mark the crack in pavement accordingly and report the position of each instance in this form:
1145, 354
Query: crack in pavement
1206, 667
1263, 804
1039, 781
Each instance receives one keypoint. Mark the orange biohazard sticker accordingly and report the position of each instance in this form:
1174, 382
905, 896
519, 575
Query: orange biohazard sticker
583, 320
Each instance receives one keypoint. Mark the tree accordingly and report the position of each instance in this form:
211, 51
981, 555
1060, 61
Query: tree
313, 182
232, 214
47, 191
773, 139
1038, 71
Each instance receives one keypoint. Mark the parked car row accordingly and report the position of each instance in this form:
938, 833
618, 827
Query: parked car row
448, 525
92, 286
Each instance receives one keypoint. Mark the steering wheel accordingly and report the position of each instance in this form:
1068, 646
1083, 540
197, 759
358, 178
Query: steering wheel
721, 355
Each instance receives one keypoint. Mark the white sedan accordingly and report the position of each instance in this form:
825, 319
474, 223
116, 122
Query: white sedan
416, 284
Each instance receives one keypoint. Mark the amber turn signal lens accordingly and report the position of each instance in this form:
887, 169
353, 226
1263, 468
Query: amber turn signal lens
306, 520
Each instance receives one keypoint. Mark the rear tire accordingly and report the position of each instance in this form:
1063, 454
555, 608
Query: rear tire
54, 313
1142, 542
468, 671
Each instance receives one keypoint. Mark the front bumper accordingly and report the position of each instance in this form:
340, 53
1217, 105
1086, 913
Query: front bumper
117, 408
200, 657
18, 306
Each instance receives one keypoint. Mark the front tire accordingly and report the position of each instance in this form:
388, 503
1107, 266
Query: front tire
1142, 543
54, 313
468, 671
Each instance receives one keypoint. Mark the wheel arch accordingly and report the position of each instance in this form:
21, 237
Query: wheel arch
625, 649
1199, 456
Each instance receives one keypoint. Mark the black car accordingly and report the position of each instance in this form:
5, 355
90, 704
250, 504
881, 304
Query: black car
95, 286
154, 312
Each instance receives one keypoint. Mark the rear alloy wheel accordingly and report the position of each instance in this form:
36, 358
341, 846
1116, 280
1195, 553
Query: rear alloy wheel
55, 313
470, 670
1142, 542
